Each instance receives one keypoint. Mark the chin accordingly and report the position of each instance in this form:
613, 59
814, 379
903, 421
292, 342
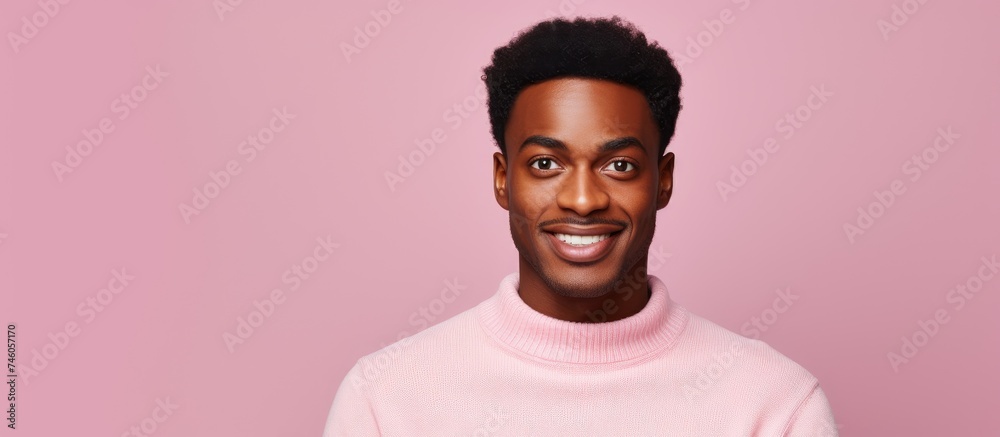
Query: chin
585, 282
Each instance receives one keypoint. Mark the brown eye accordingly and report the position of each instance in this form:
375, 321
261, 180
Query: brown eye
622, 166
543, 164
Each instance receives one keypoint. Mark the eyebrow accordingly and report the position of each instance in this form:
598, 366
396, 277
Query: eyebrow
608, 146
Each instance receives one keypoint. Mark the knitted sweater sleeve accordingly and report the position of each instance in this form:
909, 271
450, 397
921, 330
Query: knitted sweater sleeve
352, 413
814, 418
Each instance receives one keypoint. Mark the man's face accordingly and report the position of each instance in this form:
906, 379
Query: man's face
582, 164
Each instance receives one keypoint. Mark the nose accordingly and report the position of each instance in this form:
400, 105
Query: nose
583, 192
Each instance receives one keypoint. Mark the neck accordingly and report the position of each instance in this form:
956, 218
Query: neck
509, 320
628, 296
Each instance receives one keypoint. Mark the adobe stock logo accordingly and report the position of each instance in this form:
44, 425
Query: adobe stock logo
149, 424
372, 368
758, 156
959, 296
362, 38
656, 260
89, 308
31, 27
915, 167
899, 17
713, 29
264, 309
497, 417
566, 7
716, 369
426, 146
222, 7
770, 315
218, 180
124, 105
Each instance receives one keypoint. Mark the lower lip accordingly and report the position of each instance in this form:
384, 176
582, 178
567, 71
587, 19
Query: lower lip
582, 254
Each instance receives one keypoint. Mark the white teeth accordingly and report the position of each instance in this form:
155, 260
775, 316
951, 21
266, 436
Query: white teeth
581, 240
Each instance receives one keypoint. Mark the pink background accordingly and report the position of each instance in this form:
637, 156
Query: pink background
323, 176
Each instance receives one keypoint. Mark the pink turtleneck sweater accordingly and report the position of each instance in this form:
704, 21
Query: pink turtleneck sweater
502, 368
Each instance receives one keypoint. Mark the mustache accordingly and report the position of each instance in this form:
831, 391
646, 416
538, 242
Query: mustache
583, 222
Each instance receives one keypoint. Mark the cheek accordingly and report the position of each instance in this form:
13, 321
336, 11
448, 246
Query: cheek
523, 216
523, 220
641, 208
533, 185
530, 200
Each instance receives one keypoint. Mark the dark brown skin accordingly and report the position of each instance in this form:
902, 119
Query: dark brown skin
541, 185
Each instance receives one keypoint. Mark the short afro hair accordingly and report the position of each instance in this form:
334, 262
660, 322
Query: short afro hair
599, 48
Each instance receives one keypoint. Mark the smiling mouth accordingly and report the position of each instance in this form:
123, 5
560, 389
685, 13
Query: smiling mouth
582, 249
581, 240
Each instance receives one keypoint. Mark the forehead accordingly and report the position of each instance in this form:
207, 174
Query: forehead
580, 111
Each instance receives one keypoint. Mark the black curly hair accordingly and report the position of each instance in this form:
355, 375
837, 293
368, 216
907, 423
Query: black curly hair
600, 48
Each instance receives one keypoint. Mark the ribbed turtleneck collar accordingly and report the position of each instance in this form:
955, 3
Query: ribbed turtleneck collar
513, 322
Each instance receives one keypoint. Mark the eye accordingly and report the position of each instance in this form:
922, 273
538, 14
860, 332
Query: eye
544, 164
621, 165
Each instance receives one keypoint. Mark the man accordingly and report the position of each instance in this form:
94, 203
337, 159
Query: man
580, 341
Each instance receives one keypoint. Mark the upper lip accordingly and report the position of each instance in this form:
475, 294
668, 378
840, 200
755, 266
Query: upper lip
582, 230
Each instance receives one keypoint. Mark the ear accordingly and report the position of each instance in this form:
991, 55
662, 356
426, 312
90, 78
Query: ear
666, 185
500, 179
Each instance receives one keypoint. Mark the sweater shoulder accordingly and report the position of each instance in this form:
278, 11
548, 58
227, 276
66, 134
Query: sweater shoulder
727, 372
729, 358
424, 347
